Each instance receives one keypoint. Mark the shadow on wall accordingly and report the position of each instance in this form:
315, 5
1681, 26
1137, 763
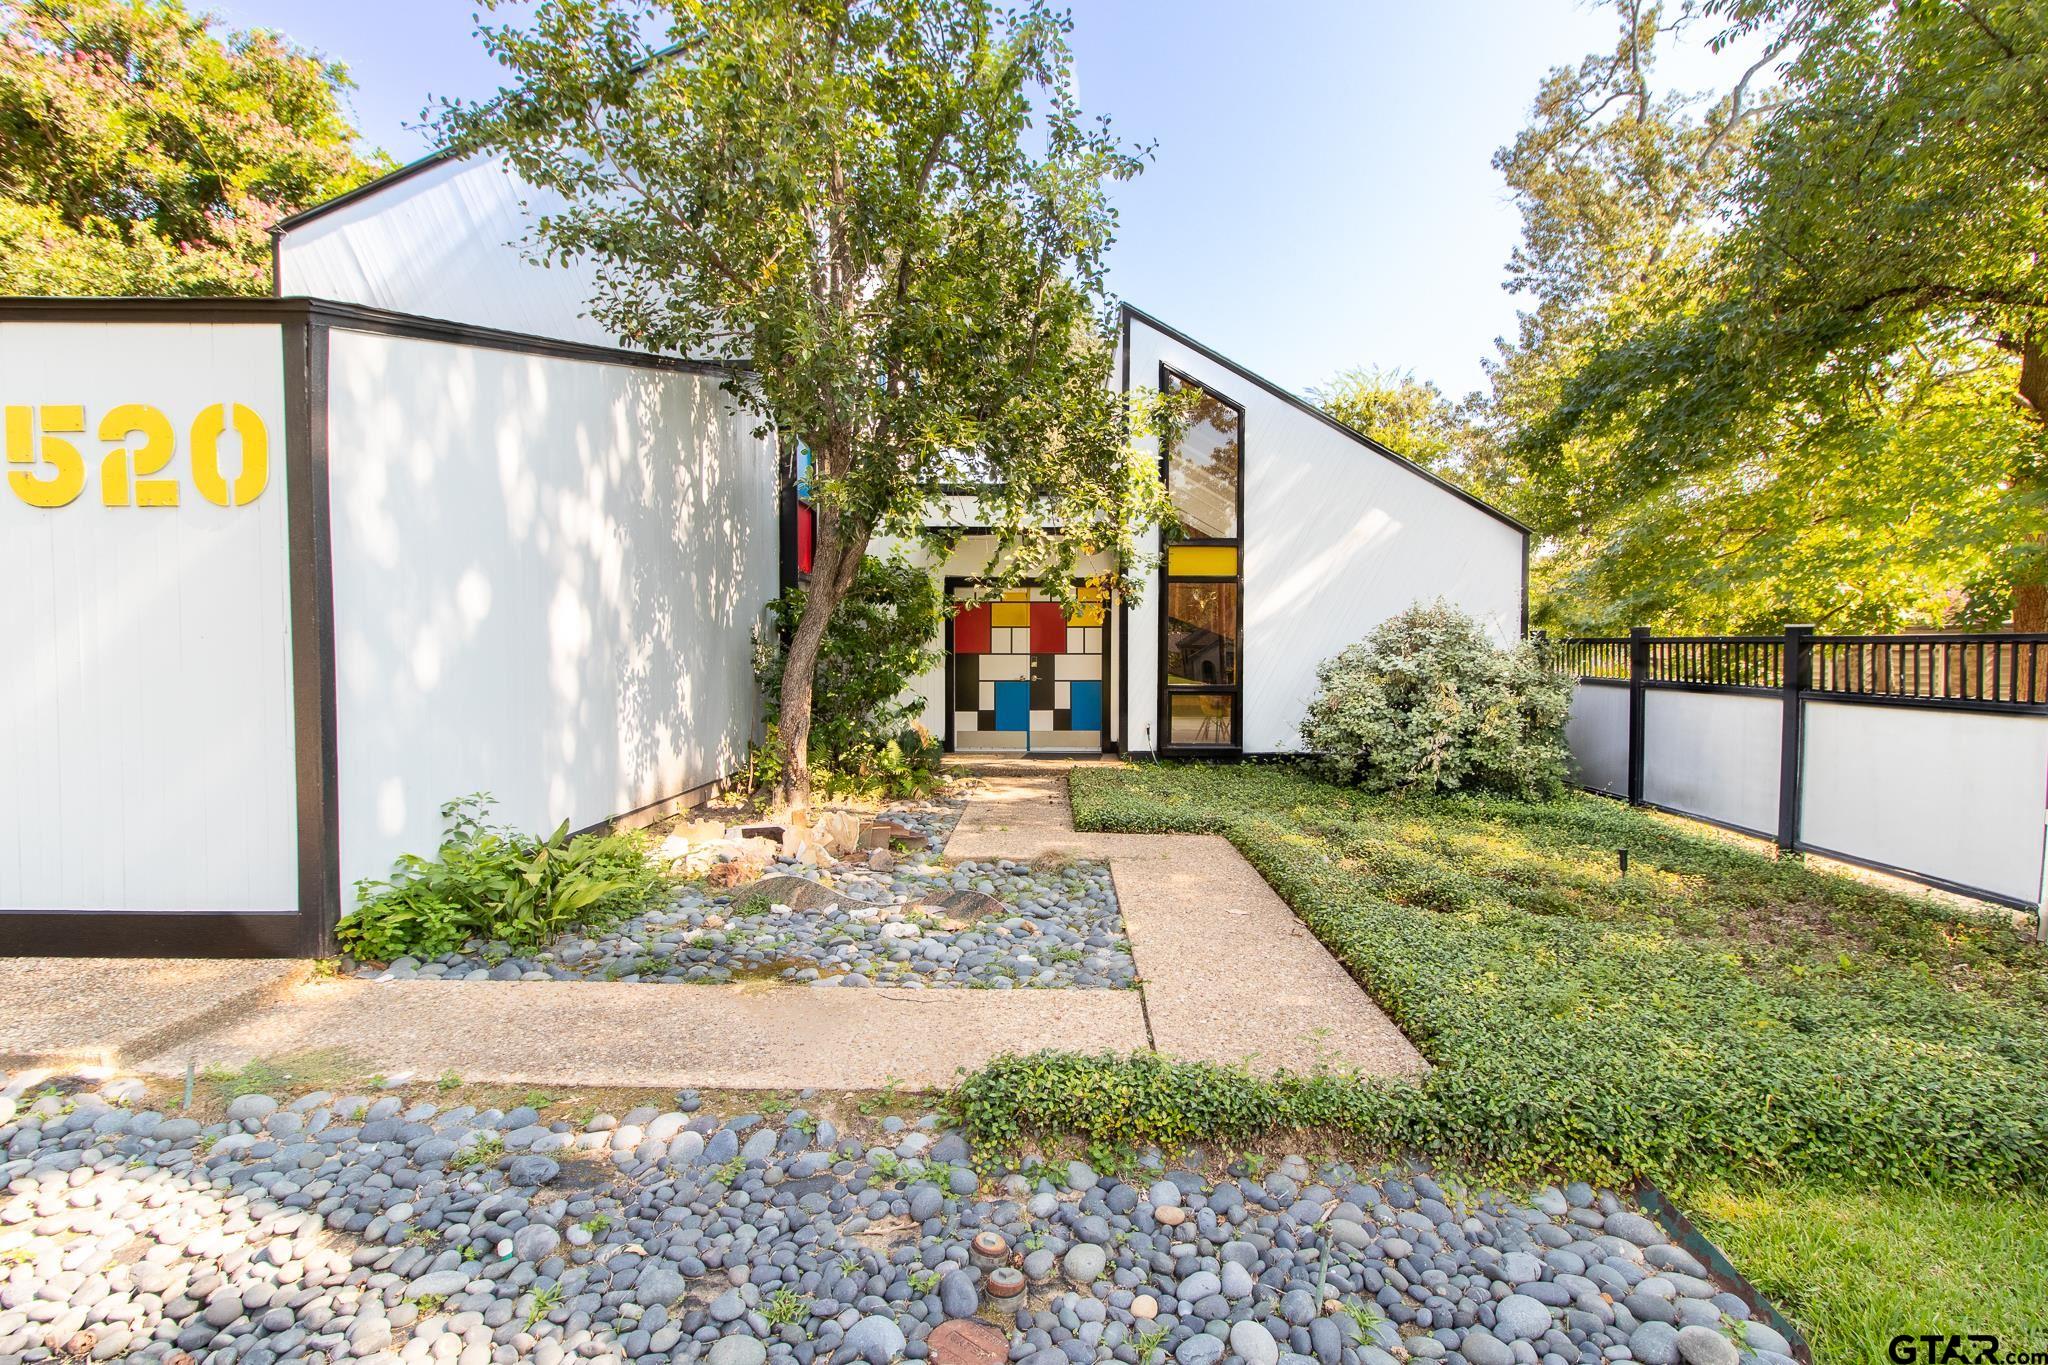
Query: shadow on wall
547, 574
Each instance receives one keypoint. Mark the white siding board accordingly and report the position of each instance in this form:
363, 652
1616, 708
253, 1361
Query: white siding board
1596, 732
1337, 538
1953, 795
444, 242
547, 574
145, 690
1711, 754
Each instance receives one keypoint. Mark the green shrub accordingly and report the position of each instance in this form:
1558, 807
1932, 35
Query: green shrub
1715, 1014
1429, 703
488, 882
885, 633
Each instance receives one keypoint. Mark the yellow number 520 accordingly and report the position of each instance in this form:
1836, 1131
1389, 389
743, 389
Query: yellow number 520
131, 476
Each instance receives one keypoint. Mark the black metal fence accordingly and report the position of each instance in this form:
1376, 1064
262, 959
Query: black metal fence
2003, 672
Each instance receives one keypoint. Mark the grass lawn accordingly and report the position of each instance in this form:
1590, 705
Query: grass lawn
1847, 1085
1857, 1267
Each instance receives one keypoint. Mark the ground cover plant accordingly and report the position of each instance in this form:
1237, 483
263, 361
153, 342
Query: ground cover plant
1842, 1085
498, 884
1712, 1013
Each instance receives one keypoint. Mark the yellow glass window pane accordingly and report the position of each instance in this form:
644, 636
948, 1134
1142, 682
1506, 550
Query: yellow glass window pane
1201, 561
1010, 614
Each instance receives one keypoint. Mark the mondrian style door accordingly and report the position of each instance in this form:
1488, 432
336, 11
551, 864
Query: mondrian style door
1027, 678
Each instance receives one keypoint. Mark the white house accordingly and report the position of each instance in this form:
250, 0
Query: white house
1302, 533
288, 574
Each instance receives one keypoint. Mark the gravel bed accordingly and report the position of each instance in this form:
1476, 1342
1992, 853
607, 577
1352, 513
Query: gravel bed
339, 1227
1058, 928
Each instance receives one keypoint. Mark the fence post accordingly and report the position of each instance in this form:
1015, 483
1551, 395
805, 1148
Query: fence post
1638, 690
1797, 678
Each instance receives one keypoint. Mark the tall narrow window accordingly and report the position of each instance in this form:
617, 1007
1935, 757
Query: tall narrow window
1201, 615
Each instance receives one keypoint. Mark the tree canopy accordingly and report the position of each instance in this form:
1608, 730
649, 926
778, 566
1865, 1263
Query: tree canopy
1784, 359
143, 151
892, 211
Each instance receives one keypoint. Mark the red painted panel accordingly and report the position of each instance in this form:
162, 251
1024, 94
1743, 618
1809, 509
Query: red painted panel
970, 630
1048, 628
806, 535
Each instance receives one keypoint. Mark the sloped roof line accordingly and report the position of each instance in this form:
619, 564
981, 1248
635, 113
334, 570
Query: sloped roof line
1131, 311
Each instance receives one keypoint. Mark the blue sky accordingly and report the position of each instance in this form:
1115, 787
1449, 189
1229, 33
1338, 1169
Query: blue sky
1322, 198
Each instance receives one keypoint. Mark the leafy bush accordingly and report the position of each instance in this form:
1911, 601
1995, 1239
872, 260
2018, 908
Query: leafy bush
489, 882
1715, 1014
884, 634
1429, 703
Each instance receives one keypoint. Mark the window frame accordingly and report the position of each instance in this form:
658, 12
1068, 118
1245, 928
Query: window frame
1170, 377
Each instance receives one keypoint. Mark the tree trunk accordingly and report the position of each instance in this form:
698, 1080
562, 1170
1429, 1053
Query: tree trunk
2030, 599
836, 557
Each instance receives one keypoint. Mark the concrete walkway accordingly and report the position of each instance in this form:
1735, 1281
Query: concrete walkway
1227, 974
604, 1033
108, 1011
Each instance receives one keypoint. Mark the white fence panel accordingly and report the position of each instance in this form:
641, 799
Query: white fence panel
1597, 733
1957, 796
145, 630
1712, 754
547, 573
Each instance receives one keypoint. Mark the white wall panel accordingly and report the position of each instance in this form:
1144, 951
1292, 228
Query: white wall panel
145, 660
1597, 734
444, 243
546, 577
1712, 754
1337, 538
1955, 795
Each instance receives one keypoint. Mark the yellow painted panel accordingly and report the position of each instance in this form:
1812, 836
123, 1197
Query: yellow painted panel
1017, 595
207, 477
1090, 614
1201, 561
1010, 614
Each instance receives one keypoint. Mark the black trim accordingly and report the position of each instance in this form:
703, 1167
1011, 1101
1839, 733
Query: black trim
413, 168
1638, 698
786, 515
1728, 825
1132, 311
348, 317
1123, 603
1162, 741
659, 809
316, 754
152, 933
1525, 584
1921, 878
1681, 1230
1988, 708
1733, 689
438, 157
1983, 708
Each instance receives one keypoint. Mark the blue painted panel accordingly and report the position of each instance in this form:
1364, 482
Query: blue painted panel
1087, 705
1013, 705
